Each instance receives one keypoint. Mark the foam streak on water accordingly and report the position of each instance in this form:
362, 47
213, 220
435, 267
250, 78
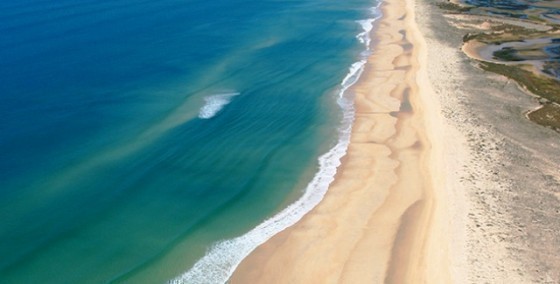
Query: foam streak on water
222, 259
214, 104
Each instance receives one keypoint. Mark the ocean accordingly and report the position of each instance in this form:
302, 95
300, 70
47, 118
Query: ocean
156, 141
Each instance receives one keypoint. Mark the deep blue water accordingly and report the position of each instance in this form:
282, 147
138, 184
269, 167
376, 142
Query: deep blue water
107, 172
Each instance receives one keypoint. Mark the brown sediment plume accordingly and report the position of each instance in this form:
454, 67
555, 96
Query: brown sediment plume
383, 219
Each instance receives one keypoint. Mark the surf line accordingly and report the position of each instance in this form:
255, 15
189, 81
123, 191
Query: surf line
222, 258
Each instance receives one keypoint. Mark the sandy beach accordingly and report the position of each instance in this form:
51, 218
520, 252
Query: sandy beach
277, 142
445, 180
508, 172
386, 216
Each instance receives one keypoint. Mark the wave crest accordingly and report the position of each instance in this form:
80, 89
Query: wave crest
367, 25
222, 259
214, 104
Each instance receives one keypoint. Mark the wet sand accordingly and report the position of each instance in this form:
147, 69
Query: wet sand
386, 216
446, 181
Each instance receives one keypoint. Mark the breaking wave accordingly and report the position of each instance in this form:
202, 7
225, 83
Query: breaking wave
214, 104
222, 259
367, 25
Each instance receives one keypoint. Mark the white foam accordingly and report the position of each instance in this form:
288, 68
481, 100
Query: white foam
214, 104
367, 25
222, 259
364, 37
353, 75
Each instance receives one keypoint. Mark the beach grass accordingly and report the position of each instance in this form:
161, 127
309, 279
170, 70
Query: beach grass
543, 86
453, 7
539, 85
548, 115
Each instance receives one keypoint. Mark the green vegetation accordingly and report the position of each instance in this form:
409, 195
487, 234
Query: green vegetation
547, 115
549, 67
536, 18
543, 85
505, 33
539, 85
452, 7
507, 54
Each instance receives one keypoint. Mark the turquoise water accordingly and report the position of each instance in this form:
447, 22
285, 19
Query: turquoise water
135, 135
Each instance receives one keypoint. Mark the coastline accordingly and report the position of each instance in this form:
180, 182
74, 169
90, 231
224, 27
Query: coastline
385, 217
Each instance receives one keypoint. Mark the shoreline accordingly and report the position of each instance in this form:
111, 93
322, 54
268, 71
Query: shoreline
384, 217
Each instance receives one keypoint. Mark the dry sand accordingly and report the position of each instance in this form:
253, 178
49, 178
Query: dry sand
387, 216
510, 175
445, 180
